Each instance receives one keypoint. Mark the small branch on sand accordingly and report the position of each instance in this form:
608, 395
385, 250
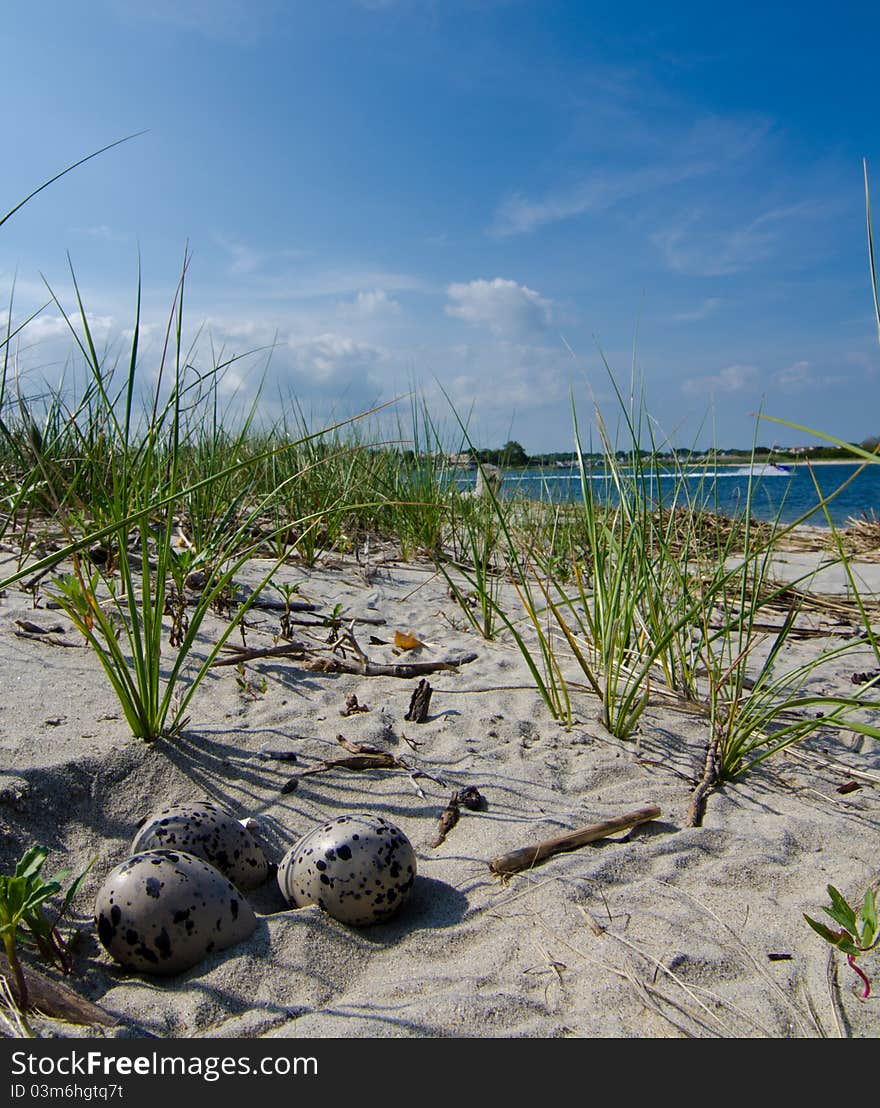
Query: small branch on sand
55, 999
710, 778
531, 855
352, 762
363, 757
279, 604
27, 629
469, 797
50, 640
380, 669
344, 640
235, 655
448, 820
775, 628
358, 748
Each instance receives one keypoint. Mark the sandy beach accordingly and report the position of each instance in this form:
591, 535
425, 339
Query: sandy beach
661, 931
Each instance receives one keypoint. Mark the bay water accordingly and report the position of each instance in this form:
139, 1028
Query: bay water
784, 493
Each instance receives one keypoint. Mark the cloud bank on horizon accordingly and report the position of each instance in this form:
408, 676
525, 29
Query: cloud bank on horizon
484, 201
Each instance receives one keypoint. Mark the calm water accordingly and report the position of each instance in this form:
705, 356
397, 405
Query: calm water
787, 495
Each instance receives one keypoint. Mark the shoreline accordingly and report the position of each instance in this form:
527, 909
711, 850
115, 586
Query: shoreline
726, 461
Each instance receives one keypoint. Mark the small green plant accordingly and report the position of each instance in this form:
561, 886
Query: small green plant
23, 918
334, 621
856, 934
288, 592
250, 688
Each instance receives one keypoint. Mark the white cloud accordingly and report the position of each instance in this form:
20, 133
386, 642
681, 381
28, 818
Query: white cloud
146, 333
794, 377
47, 326
719, 253
499, 380
800, 377
733, 378
503, 306
331, 360
228, 328
705, 147
712, 253
864, 363
246, 259
708, 307
366, 304
331, 282
518, 215
103, 233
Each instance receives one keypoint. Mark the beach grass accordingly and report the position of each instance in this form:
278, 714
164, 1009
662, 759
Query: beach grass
638, 594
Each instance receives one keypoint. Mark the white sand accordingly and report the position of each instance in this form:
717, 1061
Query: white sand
704, 933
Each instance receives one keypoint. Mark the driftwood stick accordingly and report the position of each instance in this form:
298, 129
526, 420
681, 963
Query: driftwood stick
236, 655
356, 762
359, 748
532, 855
448, 820
710, 778
369, 757
380, 669
51, 640
370, 621
279, 604
56, 999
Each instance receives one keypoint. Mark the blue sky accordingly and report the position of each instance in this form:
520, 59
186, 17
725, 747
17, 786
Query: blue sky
491, 196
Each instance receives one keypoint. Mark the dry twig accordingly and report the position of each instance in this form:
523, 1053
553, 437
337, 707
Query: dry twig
531, 855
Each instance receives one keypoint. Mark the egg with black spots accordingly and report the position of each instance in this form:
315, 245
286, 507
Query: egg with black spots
358, 868
204, 829
162, 911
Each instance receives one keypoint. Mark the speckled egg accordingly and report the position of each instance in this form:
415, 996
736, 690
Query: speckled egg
208, 832
163, 911
359, 868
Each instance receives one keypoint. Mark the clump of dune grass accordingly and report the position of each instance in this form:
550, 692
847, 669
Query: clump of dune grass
117, 482
490, 515
410, 483
663, 599
473, 574
136, 496
777, 731
627, 612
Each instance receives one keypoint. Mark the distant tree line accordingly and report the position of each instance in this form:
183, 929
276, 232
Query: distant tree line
512, 454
